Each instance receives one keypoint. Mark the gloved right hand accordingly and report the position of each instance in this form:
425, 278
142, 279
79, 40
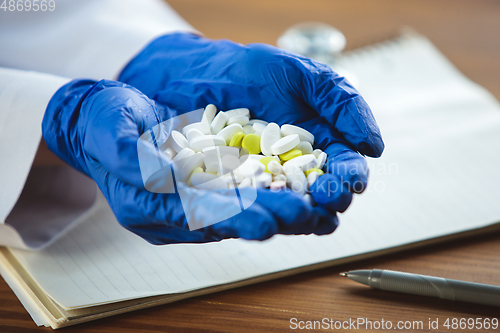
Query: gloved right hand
95, 127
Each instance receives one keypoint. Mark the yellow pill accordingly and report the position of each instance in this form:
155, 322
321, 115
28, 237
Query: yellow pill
196, 170
251, 143
265, 161
290, 154
319, 171
236, 139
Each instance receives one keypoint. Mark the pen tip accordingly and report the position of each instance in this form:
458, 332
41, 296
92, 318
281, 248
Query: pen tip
343, 274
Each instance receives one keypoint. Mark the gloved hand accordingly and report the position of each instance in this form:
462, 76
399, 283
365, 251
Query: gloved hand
187, 72
95, 127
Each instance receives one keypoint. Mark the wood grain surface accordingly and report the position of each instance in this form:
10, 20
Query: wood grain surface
467, 32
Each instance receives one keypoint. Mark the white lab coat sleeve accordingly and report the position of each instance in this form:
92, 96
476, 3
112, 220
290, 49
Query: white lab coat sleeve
84, 38
24, 96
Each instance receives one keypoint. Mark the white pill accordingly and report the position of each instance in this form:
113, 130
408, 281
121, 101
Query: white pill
214, 184
238, 112
178, 141
251, 168
228, 132
185, 153
279, 177
263, 180
270, 135
209, 114
321, 160
311, 178
170, 153
218, 123
246, 182
316, 152
309, 199
304, 162
277, 185
242, 120
304, 146
229, 163
197, 144
253, 121
201, 177
200, 126
302, 133
246, 157
259, 127
226, 150
248, 129
212, 159
258, 133
193, 133
295, 179
187, 169
285, 144
275, 168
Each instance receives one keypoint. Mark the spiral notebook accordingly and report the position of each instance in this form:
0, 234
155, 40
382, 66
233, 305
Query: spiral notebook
437, 179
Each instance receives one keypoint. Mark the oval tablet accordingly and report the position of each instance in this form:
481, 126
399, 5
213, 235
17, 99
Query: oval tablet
270, 135
263, 180
259, 127
248, 129
295, 179
311, 178
197, 144
304, 162
304, 146
316, 152
218, 123
302, 133
290, 155
209, 114
193, 133
200, 126
321, 160
275, 168
193, 162
253, 121
238, 112
285, 144
178, 142
185, 153
229, 131
242, 120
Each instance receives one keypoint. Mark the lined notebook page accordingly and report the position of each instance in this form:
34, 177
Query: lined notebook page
438, 176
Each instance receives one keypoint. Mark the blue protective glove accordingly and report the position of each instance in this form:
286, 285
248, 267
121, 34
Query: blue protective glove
186, 72
95, 127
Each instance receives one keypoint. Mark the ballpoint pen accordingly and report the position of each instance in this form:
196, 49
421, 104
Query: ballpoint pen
425, 285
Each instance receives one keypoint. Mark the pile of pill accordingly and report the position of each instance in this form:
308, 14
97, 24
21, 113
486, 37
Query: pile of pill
227, 149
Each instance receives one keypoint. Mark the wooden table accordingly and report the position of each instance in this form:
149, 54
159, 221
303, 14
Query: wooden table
464, 31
